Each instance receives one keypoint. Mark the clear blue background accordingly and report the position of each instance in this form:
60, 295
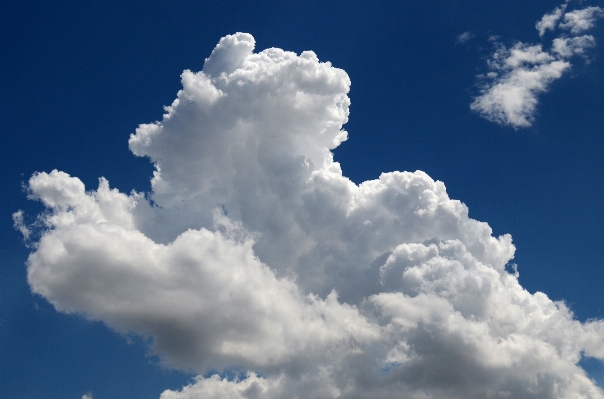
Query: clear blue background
76, 78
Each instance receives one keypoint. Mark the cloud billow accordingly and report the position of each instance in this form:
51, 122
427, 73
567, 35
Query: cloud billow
520, 73
253, 251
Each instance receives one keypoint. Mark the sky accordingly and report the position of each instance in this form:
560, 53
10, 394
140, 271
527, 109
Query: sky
301, 199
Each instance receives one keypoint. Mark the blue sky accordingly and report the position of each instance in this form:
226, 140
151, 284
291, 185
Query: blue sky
78, 79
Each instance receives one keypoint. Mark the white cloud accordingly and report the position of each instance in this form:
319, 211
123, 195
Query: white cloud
520, 73
567, 47
20, 225
204, 298
579, 21
549, 21
254, 251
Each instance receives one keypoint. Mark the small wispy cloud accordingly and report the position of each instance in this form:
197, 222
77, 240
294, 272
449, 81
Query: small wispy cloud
579, 21
464, 37
566, 47
520, 73
549, 20
20, 225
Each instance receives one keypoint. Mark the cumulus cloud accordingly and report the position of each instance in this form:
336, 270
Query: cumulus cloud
520, 73
253, 251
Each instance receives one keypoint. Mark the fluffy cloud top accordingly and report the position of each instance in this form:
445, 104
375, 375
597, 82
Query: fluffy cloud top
254, 251
520, 73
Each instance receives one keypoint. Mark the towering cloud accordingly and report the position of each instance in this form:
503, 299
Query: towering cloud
518, 74
253, 251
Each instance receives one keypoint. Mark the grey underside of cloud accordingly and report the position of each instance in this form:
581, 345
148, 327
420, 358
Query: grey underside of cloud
254, 251
520, 73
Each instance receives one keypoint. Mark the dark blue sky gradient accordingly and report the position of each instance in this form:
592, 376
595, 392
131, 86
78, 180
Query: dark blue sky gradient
76, 78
